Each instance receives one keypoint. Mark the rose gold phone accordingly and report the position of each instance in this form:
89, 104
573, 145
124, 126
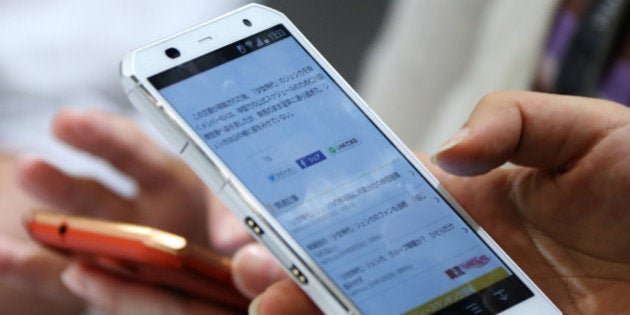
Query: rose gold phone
139, 253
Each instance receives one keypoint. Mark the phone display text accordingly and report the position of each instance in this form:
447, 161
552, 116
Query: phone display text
322, 168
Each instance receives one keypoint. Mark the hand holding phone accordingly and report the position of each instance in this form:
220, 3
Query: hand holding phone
349, 212
139, 253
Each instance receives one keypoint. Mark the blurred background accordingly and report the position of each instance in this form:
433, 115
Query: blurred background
421, 65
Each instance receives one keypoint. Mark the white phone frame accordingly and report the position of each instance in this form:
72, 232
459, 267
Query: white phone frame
149, 60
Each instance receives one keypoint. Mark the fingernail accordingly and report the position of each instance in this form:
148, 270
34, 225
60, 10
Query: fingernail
253, 306
450, 143
27, 158
454, 140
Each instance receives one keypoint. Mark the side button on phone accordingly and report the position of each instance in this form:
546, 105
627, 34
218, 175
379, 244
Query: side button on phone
298, 275
254, 226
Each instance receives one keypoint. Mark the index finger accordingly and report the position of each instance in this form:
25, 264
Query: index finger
119, 141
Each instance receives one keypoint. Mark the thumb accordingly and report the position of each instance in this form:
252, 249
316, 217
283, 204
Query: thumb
530, 129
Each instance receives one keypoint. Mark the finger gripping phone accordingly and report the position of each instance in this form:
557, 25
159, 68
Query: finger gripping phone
319, 179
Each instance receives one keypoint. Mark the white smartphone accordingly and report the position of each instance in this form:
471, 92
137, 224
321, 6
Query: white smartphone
320, 180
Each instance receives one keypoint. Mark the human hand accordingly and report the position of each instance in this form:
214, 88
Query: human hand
169, 196
107, 294
39, 290
561, 214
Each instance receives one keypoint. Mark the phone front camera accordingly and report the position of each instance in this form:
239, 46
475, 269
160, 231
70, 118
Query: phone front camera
172, 53
247, 22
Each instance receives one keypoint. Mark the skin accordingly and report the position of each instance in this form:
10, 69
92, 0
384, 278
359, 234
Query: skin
169, 196
561, 214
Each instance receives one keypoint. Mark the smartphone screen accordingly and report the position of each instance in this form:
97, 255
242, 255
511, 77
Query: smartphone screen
335, 182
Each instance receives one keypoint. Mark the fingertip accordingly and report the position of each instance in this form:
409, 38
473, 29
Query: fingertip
36, 177
82, 282
24, 165
29, 171
80, 127
74, 279
284, 297
26, 162
8, 258
458, 165
254, 269
455, 140
63, 120
456, 157
226, 233
255, 305
446, 160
